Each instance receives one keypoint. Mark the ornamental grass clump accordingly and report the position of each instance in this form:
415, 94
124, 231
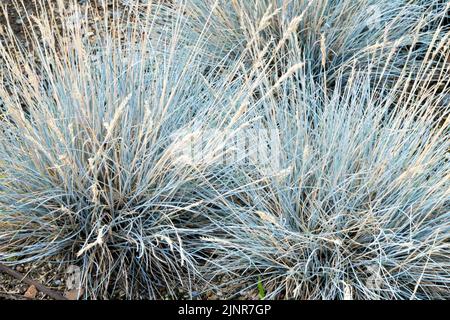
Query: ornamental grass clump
280, 149
356, 206
87, 153
331, 36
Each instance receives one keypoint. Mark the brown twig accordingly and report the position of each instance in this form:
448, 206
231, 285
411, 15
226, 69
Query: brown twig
30, 282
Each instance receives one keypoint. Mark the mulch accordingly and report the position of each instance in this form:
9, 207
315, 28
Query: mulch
15, 287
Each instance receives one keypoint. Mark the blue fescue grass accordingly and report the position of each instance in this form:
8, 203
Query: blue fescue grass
331, 36
88, 156
359, 208
354, 202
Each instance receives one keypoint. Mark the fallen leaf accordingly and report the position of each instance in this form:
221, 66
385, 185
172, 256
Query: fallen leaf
73, 294
31, 292
73, 277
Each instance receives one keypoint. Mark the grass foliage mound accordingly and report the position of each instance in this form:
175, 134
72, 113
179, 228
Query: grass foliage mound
299, 149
